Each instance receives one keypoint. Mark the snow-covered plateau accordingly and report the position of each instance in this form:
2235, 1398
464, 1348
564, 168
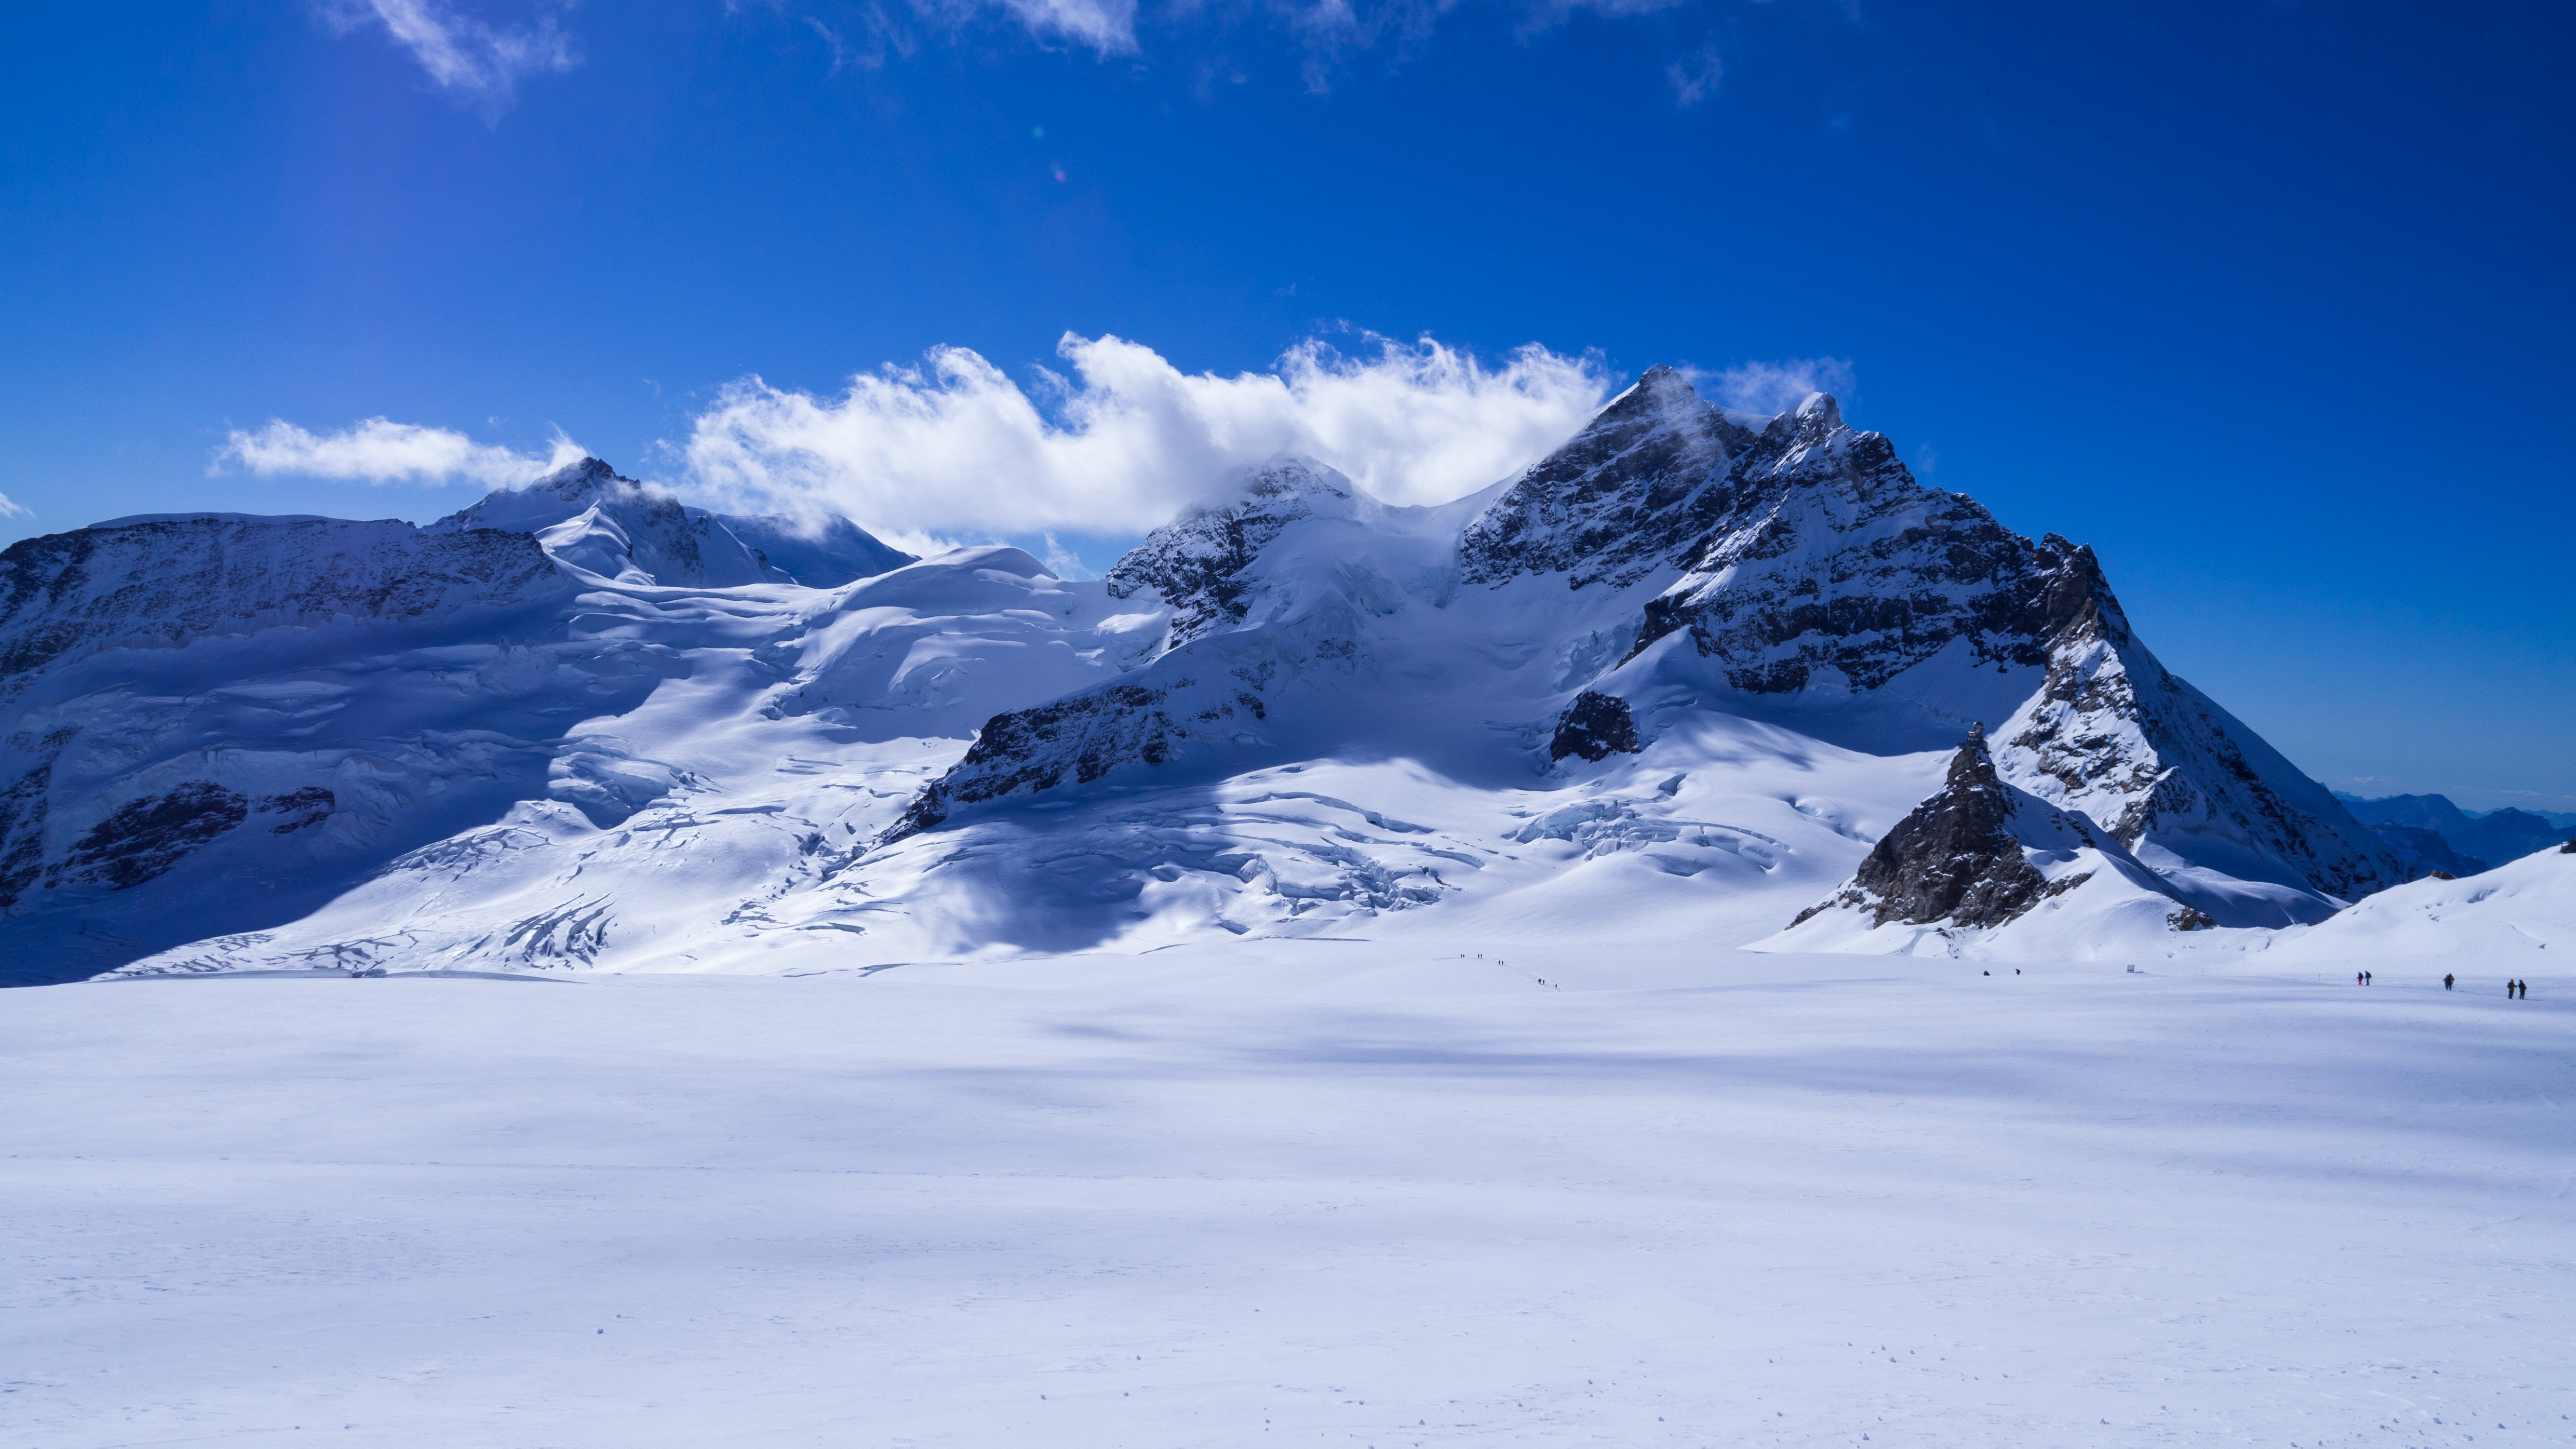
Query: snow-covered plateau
1708, 940
1291, 1192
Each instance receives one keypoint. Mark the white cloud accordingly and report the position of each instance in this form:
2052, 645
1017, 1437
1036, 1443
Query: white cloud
1107, 26
1776, 387
12, 508
1695, 76
382, 451
955, 446
1064, 563
866, 32
466, 56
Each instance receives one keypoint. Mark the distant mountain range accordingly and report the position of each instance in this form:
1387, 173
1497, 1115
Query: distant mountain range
2433, 832
1697, 675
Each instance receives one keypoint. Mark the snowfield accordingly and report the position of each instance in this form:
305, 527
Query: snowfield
1291, 1192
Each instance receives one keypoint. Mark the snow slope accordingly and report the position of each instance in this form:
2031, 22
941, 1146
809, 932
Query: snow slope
2518, 919
1294, 1192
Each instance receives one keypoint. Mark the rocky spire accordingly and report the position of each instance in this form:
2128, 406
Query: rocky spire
1955, 858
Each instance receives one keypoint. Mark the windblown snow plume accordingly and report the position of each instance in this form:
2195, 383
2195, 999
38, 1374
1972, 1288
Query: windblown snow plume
954, 445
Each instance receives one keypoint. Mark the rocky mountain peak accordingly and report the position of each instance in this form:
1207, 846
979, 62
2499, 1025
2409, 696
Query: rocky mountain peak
588, 473
1618, 500
1956, 857
589, 515
1286, 477
1818, 416
1972, 768
1202, 564
1659, 386
561, 494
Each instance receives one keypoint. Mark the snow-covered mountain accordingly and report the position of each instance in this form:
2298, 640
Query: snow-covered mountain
1687, 673
591, 519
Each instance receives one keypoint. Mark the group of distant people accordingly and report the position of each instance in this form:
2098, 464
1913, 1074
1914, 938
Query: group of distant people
2516, 989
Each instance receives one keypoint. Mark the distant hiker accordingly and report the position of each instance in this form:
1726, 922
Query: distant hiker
2356, 978
2446, 980
2365, 978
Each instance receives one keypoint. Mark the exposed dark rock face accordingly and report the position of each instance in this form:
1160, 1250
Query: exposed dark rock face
303, 808
1955, 858
1200, 565
2187, 918
1627, 495
1594, 727
1800, 548
2569, 848
145, 838
22, 832
1084, 735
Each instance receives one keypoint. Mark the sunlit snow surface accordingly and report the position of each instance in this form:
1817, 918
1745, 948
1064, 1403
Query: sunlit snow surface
1292, 1192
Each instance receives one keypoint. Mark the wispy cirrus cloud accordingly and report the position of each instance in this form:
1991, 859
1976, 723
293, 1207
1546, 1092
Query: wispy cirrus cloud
1327, 32
868, 33
1694, 77
12, 508
380, 450
471, 58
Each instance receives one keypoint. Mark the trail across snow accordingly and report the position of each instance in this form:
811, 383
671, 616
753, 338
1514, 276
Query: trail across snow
1291, 1192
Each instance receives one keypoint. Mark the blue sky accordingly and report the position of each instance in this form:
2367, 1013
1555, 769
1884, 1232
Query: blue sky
2266, 301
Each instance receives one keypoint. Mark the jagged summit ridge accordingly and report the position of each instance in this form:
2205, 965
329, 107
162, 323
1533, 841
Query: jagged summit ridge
1201, 565
593, 518
1623, 496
